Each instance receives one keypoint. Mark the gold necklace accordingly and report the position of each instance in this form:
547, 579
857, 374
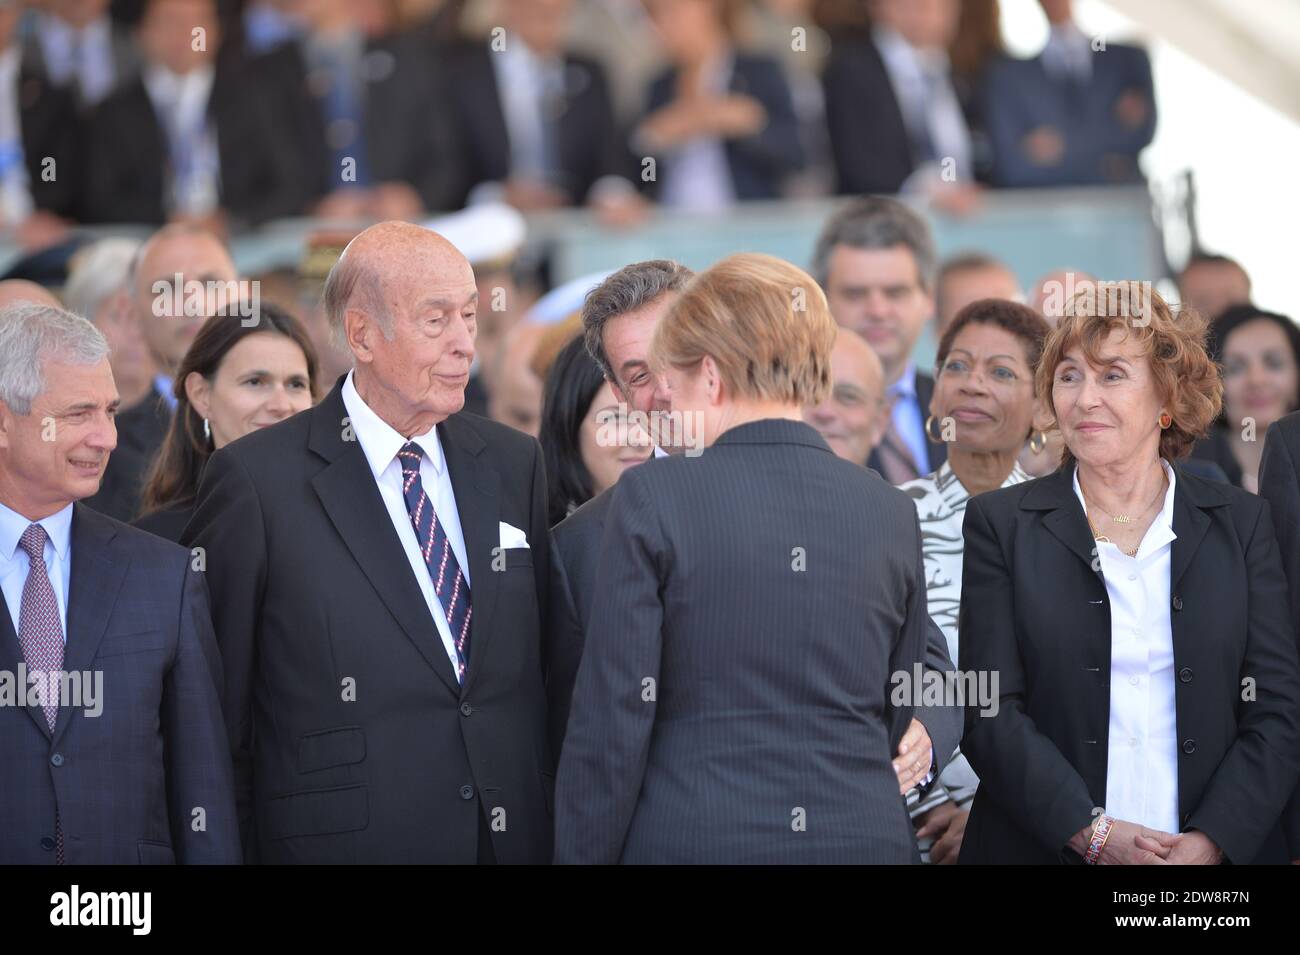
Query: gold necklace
1116, 518
1123, 518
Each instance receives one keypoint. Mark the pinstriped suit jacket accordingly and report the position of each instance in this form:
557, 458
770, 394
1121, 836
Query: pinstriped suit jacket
732, 703
125, 783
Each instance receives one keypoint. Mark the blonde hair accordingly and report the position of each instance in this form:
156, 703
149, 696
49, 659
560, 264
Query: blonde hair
764, 322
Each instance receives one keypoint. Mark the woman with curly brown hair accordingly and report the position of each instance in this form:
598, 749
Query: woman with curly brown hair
1148, 703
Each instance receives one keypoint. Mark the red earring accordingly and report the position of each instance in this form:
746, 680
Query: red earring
1166, 419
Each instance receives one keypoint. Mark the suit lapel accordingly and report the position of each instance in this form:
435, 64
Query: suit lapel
1191, 522
1065, 520
477, 487
351, 499
11, 654
94, 583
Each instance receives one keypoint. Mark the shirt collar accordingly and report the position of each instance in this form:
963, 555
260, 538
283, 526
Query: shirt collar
905, 387
58, 528
379, 441
1161, 531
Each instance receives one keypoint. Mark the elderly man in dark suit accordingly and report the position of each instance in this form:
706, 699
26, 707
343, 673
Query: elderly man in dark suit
112, 740
379, 569
732, 701
1279, 484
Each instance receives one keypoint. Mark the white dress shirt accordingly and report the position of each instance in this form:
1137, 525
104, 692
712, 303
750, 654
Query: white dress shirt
380, 443
922, 84
14, 562
181, 105
528, 85
15, 195
1142, 760
697, 173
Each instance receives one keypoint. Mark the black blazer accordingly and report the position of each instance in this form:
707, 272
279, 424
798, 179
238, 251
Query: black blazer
125, 174
869, 140
760, 163
167, 523
938, 452
408, 130
47, 119
1279, 484
1034, 611
1215, 449
589, 144
126, 782
574, 563
312, 594
140, 432
745, 624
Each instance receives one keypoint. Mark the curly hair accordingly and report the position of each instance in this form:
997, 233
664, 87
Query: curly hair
1174, 345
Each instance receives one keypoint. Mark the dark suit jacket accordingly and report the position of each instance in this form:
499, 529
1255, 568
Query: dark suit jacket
125, 783
736, 677
313, 594
1034, 611
125, 174
574, 563
938, 452
1279, 484
126, 58
1021, 95
760, 163
408, 129
168, 523
869, 140
47, 117
140, 432
1214, 449
588, 143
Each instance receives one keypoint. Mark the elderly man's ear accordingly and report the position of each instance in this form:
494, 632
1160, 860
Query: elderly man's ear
6, 425
359, 330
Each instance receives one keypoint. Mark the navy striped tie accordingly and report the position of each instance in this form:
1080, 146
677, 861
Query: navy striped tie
448, 582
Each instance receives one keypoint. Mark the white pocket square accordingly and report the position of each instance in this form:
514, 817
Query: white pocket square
512, 536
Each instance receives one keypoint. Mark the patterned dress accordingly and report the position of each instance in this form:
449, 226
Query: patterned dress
941, 508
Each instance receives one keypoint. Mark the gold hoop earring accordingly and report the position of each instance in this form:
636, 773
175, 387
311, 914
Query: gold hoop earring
1165, 420
1038, 442
929, 435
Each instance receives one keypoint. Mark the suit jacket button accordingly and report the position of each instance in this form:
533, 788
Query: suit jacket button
56, 759
1189, 746
466, 709
47, 844
466, 792
1178, 602
1185, 674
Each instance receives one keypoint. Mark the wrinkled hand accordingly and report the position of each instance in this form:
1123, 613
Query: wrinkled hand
915, 755
1128, 844
1193, 848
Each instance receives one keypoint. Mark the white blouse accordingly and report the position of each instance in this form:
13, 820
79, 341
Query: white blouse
1142, 760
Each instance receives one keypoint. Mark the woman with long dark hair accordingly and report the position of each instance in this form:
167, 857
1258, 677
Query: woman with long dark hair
586, 440
233, 380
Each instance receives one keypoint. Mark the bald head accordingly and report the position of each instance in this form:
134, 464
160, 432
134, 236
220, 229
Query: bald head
161, 275
852, 419
404, 300
21, 290
379, 265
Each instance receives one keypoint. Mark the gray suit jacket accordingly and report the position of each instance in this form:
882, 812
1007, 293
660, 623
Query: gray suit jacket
125, 782
733, 699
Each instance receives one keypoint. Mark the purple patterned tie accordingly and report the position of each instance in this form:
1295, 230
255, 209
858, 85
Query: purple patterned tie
448, 582
40, 631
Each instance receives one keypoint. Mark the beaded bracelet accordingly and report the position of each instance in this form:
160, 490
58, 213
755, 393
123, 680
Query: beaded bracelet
1099, 836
